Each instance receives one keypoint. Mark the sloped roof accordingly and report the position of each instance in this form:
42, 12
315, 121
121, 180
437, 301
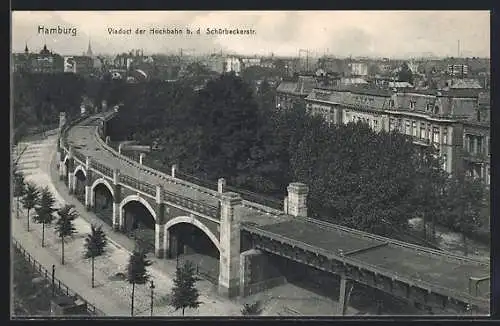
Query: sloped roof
353, 80
303, 86
286, 87
465, 83
351, 96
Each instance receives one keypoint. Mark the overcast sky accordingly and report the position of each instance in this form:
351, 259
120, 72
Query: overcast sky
341, 33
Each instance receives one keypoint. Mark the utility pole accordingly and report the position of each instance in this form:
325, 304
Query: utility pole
152, 287
307, 57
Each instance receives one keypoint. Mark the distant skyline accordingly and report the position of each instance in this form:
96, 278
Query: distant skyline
395, 34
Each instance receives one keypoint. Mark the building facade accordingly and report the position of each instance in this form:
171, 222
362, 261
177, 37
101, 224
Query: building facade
291, 93
43, 62
232, 64
476, 141
358, 68
456, 124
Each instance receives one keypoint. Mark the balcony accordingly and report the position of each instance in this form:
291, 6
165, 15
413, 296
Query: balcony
421, 141
476, 157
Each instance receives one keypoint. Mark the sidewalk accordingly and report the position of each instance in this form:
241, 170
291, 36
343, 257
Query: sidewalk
111, 296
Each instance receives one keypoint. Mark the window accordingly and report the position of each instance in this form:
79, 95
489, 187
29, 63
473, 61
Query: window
392, 124
470, 143
391, 103
436, 109
435, 134
445, 161
429, 106
445, 136
422, 131
415, 131
407, 129
479, 145
412, 105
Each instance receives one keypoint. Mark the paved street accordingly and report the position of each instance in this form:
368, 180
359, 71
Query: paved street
76, 272
284, 300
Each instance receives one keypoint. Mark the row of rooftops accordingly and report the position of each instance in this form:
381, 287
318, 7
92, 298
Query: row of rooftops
305, 85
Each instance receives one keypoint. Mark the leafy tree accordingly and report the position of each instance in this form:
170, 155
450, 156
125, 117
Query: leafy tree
30, 199
45, 210
228, 120
95, 245
136, 272
251, 309
184, 293
405, 74
427, 196
465, 200
19, 187
266, 98
64, 225
39, 98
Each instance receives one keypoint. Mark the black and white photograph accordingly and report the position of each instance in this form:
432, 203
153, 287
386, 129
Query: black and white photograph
179, 164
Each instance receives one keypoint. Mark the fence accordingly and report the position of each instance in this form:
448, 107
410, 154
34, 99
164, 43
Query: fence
59, 286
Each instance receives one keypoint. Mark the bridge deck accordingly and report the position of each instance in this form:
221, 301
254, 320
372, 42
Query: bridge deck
82, 137
439, 270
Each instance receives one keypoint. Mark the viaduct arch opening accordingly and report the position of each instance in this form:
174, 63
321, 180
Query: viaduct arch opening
190, 241
102, 201
138, 220
80, 182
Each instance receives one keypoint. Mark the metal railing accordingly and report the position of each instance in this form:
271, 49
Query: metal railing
257, 198
138, 184
198, 181
209, 210
394, 242
60, 286
101, 168
79, 156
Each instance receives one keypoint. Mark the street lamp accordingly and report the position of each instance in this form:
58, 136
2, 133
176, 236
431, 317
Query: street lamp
53, 279
152, 287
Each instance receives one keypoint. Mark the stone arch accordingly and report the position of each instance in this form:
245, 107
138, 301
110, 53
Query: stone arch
139, 199
106, 183
93, 193
66, 158
80, 168
193, 221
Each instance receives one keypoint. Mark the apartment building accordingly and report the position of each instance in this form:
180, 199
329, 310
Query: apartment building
476, 140
290, 93
455, 122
